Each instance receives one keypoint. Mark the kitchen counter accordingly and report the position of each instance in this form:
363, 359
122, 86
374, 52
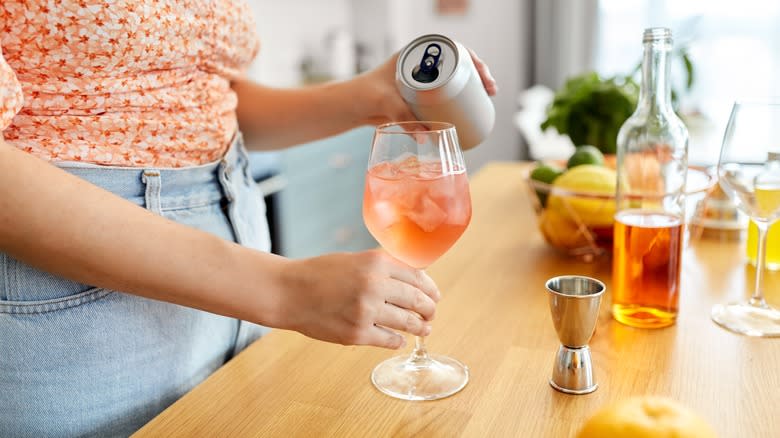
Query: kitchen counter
494, 317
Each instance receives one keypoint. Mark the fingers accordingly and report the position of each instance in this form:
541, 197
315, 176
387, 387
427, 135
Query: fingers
386, 338
393, 317
398, 110
484, 73
408, 297
377, 299
415, 277
403, 113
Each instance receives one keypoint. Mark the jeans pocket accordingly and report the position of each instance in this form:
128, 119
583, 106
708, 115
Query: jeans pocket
25, 289
51, 305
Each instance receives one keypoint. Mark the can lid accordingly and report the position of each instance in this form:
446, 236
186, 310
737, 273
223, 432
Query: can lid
415, 54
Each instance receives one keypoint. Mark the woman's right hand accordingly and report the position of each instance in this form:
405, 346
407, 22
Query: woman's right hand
357, 298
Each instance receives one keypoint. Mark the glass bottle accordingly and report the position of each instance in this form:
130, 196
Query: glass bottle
652, 165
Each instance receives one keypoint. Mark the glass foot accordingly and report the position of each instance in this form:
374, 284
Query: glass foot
747, 319
429, 378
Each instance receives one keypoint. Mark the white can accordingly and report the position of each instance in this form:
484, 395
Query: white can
437, 78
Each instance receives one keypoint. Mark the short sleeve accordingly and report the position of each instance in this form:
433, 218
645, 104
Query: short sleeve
10, 94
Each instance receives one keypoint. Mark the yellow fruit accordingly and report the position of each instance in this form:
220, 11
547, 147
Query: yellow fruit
646, 417
560, 232
589, 179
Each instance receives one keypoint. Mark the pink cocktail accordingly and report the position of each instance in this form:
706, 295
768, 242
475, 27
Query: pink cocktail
416, 205
415, 210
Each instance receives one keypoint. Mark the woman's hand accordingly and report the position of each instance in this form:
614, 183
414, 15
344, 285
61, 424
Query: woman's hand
357, 298
276, 118
376, 98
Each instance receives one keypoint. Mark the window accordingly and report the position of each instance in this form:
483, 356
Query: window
735, 48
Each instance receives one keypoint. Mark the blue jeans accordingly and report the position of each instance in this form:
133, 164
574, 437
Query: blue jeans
76, 360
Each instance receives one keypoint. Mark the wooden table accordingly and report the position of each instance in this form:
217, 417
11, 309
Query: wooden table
495, 318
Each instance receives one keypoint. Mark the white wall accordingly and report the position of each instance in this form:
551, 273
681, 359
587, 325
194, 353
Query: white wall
285, 27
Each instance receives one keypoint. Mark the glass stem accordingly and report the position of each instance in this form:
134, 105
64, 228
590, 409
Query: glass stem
757, 299
420, 353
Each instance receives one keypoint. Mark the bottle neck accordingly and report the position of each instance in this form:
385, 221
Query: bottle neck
656, 92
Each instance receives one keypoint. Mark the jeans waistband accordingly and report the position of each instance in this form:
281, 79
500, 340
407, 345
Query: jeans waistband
171, 188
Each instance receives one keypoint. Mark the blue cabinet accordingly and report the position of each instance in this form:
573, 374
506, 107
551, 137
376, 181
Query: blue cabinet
319, 210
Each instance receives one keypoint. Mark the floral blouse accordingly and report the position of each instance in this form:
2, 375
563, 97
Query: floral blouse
122, 82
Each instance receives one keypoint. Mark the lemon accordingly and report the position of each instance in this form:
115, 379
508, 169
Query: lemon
646, 417
561, 232
586, 179
585, 155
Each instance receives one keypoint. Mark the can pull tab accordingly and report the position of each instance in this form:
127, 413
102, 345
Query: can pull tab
428, 70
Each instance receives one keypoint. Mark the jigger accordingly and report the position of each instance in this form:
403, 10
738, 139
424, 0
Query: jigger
574, 305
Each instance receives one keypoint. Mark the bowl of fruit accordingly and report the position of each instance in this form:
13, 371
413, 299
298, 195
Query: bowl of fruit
575, 202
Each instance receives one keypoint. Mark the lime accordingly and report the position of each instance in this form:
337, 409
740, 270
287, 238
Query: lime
596, 205
545, 173
586, 155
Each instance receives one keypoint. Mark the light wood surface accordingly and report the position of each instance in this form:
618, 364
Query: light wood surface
494, 317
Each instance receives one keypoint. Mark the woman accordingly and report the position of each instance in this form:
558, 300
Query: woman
121, 169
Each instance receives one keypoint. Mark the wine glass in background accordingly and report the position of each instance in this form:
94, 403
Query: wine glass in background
416, 205
749, 172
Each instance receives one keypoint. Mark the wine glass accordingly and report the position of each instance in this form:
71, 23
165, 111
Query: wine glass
749, 172
416, 205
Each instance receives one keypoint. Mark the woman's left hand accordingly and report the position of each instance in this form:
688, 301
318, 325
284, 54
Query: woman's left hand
376, 98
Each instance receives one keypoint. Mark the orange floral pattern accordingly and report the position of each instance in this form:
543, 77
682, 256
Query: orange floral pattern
123, 82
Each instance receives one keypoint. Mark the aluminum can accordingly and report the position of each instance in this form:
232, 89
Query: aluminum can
437, 78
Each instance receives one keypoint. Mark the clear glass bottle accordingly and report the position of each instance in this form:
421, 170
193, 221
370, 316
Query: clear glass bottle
652, 164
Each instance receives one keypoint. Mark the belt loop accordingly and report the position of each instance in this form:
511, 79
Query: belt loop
238, 141
225, 173
153, 188
243, 155
241, 147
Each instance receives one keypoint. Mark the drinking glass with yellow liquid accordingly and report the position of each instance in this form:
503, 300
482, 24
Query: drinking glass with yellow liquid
769, 199
772, 246
749, 173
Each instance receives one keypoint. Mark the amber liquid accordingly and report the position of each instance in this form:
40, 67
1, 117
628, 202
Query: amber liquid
646, 268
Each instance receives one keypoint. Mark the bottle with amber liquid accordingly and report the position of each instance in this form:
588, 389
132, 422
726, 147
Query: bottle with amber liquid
652, 164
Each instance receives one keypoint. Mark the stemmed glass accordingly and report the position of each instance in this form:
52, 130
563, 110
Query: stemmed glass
416, 205
749, 172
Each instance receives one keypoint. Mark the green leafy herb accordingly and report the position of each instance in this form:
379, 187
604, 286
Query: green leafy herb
591, 110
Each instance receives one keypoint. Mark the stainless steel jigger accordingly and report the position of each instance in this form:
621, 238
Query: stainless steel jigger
574, 304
